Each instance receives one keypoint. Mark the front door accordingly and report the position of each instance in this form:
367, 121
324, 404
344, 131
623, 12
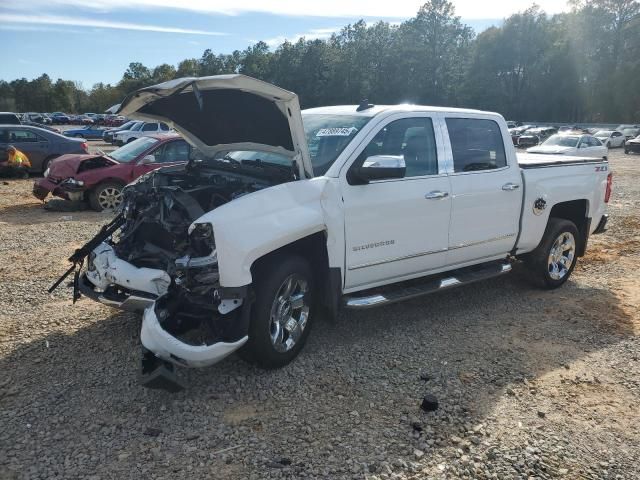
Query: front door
398, 228
486, 189
169, 153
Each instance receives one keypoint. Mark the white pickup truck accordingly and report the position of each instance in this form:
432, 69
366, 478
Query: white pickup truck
282, 214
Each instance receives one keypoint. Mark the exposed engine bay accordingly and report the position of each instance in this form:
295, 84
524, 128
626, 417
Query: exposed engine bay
158, 211
152, 241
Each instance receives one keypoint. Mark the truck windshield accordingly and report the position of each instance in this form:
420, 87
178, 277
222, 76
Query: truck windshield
562, 141
132, 150
328, 135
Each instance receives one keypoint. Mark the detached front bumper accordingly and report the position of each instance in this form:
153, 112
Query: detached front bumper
117, 283
43, 187
167, 347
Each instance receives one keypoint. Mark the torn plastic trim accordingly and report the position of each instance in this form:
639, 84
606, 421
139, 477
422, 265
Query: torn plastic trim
128, 300
167, 347
105, 269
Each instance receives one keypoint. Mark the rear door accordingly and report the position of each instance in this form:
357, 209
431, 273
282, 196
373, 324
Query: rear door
36, 147
592, 147
398, 228
486, 189
617, 139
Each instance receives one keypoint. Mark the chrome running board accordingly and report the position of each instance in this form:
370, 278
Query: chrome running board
407, 290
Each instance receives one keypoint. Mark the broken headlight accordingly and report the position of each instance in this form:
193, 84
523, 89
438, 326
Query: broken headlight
202, 248
72, 183
201, 240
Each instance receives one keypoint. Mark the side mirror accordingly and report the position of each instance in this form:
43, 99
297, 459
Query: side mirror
583, 145
147, 159
379, 167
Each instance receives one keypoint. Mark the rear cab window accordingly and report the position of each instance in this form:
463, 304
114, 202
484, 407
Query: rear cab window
476, 144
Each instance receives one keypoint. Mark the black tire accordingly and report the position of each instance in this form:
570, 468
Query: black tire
131, 140
626, 152
270, 278
538, 262
46, 162
99, 192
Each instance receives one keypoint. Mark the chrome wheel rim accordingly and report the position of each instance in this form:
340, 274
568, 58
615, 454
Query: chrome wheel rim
289, 313
561, 256
110, 197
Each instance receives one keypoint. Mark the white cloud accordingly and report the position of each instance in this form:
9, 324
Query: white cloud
313, 34
469, 9
90, 22
37, 28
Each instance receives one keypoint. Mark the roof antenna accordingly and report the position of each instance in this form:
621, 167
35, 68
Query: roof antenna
364, 105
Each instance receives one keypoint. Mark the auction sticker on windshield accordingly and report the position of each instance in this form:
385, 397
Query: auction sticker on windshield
336, 132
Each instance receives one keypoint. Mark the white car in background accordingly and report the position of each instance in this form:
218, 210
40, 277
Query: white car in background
579, 145
126, 136
611, 138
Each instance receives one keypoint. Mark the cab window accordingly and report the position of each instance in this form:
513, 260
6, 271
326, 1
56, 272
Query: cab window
412, 139
177, 151
22, 136
476, 144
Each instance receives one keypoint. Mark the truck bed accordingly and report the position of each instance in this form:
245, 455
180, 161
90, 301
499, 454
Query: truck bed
536, 160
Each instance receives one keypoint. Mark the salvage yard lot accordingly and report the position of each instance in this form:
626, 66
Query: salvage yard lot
529, 382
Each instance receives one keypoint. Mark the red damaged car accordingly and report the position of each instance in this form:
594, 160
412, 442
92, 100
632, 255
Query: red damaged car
99, 179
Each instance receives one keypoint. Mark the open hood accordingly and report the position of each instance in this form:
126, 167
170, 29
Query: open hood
226, 112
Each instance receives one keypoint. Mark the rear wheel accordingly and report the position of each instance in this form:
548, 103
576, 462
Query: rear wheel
282, 313
551, 263
106, 196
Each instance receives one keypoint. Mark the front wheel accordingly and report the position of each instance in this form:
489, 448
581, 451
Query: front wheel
106, 196
282, 313
551, 263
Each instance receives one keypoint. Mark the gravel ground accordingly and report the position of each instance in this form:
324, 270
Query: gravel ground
530, 384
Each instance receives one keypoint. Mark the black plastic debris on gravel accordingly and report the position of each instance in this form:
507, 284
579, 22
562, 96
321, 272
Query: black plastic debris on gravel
59, 205
429, 403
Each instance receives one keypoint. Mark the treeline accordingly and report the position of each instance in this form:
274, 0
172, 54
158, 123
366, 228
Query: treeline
574, 67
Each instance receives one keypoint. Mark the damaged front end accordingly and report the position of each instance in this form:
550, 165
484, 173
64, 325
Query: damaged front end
156, 257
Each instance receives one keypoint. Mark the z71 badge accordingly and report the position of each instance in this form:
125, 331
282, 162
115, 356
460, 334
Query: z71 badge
602, 168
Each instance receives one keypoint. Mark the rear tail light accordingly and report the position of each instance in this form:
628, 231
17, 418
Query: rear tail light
607, 193
85, 147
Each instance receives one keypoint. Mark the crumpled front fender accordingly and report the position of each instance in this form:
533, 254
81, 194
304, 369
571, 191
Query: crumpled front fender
256, 224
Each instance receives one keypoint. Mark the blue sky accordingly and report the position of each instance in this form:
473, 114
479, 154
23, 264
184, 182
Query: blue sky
94, 40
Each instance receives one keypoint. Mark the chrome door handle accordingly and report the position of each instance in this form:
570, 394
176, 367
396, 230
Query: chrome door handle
510, 186
436, 195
